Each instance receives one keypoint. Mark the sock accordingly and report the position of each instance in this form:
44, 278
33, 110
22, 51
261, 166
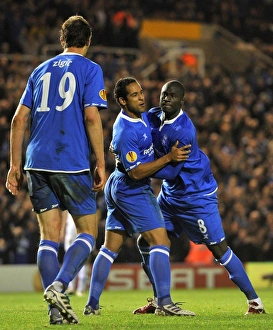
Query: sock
74, 258
47, 261
100, 272
257, 301
145, 254
58, 286
237, 273
160, 270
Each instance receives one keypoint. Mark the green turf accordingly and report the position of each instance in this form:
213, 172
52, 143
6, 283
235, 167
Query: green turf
216, 309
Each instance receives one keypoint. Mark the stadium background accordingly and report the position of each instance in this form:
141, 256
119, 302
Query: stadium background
221, 50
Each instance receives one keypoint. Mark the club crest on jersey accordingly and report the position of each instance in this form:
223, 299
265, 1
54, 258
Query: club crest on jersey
102, 94
131, 156
164, 140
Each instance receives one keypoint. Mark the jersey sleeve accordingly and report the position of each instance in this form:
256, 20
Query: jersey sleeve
27, 96
95, 93
129, 151
169, 172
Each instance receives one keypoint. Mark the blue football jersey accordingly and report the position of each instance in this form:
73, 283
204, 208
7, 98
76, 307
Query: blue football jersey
131, 204
57, 92
132, 141
192, 177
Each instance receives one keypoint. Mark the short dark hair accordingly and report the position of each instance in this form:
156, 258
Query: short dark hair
75, 32
179, 86
120, 89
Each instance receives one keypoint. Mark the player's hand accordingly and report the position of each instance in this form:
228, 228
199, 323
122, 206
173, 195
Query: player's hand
179, 154
120, 166
99, 179
14, 180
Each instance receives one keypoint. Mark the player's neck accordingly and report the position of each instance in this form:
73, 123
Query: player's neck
82, 51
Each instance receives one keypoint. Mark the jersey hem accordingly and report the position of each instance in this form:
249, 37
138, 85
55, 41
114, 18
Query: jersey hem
55, 171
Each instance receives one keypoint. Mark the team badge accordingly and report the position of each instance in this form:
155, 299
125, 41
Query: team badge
103, 94
131, 156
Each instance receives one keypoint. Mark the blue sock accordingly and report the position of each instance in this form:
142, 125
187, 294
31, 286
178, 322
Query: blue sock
100, 272
47, 261
74, 258
237, 273
160, 269
145, 254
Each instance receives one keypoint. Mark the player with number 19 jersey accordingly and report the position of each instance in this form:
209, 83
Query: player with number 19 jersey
55, 92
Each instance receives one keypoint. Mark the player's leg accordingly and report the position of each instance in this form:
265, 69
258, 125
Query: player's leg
159, 255
47, 255
203, 224
49, 219
74, 259
169, 215
154, 256
78, 252
150, 242
144, 250
45, 204
81, 204
108, 252
226, 257
101, 268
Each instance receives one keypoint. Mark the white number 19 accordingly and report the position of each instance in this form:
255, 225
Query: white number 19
66, 95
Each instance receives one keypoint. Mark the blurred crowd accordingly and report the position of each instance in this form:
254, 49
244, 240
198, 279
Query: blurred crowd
233, 112
28, 25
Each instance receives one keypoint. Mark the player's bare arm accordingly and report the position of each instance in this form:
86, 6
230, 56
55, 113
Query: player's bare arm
19, 124
95, 133
148, 169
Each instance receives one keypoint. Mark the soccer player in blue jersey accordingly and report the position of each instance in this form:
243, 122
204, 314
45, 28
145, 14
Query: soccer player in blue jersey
188, 198
131, 204
61, 102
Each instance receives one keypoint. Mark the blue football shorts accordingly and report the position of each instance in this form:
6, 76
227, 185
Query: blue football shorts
198, 216
67, 191
131, 206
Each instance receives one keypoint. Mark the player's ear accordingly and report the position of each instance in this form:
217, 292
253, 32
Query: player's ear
122, 101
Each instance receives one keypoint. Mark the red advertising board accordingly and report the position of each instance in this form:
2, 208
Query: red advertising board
187, 276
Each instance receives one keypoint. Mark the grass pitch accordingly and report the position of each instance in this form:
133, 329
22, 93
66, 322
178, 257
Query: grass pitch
215, 309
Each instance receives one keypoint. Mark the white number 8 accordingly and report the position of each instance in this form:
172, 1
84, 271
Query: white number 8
202, 226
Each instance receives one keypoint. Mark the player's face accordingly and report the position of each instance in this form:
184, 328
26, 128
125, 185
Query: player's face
170, 100
134, 104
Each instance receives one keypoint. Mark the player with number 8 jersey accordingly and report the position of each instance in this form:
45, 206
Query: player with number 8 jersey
188, 196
